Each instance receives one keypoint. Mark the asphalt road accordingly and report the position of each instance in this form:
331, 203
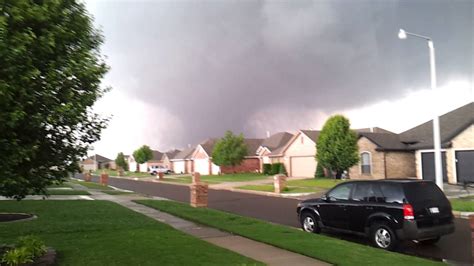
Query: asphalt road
455, 247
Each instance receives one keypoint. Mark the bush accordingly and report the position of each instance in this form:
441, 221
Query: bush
278, 168
319, 171
25, 251
267, 169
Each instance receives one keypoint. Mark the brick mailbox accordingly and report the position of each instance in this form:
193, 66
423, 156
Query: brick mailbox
87, 177
199, 192
160, 176
279, 183
104, 179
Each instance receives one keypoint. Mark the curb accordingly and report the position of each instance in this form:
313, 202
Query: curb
462, 215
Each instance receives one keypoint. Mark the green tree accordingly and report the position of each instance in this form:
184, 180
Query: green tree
337, 145
230, 150
319, 171
50, 73
142, 155
120, 161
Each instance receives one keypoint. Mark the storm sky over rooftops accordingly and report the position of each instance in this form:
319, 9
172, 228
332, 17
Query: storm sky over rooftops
183, 71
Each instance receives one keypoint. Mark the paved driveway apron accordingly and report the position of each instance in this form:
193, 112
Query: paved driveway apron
455, 247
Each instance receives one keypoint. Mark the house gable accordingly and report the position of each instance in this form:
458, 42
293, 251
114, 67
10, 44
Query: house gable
300, 145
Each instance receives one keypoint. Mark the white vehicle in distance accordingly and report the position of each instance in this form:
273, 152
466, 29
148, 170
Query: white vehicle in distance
156, 169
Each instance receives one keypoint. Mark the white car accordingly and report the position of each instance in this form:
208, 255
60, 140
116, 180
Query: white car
155, 169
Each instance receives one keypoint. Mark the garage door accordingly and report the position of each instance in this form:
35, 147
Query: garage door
303, 166
428, 166
465, 166
178, 167
201, 166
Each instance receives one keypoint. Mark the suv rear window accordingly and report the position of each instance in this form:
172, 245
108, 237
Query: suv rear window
418, 192
392, 193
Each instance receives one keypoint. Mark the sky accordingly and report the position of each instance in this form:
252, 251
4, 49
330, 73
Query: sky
184, 71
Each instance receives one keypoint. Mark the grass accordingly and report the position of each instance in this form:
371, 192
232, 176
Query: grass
335, 251
125, 173
67, 192
91, 185
465, 204
117, 192
104, 233
299, 186
216, 179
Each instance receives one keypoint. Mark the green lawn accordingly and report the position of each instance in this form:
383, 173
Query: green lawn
91, 185
117, 192
67, 192
299, 186
465, 204
126, 173
104, 233
335, 251
216, 179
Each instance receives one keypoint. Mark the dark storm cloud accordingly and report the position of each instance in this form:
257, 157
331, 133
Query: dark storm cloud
213, 64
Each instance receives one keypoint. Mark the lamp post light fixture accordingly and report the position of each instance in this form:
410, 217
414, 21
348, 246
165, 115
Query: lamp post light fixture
402, 34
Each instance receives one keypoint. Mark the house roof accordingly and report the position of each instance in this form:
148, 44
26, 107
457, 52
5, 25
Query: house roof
277, 141
208, 145
312, 134
252, 146
172, 153
184, 154
386, 141
451, 124
99, 158
372, 130
157, 155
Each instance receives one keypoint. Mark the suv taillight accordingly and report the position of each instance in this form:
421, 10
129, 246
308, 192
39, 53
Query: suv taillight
408, 212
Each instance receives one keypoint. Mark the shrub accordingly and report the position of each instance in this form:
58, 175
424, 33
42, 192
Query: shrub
33, 244
278, 168
267, 169
319, 171
17, 256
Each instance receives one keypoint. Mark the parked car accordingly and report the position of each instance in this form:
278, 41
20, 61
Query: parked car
386, 211
156, 169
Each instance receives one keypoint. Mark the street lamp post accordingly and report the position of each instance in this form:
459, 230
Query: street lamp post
402, 34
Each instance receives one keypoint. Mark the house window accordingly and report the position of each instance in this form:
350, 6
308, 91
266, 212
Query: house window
365, 163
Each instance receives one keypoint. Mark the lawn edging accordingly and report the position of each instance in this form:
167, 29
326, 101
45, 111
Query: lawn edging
324, 248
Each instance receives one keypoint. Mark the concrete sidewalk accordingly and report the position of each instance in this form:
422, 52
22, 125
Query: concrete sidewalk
267, 254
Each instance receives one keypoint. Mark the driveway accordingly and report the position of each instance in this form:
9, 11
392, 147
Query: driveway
455, 247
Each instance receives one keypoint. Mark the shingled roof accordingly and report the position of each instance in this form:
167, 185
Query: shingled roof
157, 155
252, 146
208, 145
386, 141
99, 158
172, 153
312, 134
277, 141
451, 124
184, 154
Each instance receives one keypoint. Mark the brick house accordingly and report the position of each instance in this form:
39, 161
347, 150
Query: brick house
270, 150
95, 162
182, 162
167, 156
410, 153
251, 162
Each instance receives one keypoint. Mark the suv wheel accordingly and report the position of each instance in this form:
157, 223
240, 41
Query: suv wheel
383, 236
309, 223
153, 173
428, 241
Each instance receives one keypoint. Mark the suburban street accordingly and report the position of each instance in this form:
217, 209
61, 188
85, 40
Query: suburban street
455, 248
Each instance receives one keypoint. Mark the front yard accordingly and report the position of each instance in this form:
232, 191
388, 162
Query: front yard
104, 233
310, 185
216, 179
334, 251
465, 204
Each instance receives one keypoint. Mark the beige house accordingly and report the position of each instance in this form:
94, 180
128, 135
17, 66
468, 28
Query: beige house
202, 160
144, 167
270, 150
183, 163
167, 156
96, 162
410, 153
298, 155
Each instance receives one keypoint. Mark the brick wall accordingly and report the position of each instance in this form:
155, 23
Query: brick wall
247, 165
400, 164
377, 158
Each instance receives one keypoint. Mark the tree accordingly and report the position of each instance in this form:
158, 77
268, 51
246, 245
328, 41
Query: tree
120, 161
337, 145
50, 73
142, 155
319, 171
230, 150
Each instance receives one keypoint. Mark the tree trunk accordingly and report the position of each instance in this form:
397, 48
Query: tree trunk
138, 167
338, 174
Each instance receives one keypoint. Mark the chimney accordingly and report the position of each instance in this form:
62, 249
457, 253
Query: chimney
268, 134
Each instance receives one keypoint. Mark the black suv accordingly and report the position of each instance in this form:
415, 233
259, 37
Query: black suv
384, 210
